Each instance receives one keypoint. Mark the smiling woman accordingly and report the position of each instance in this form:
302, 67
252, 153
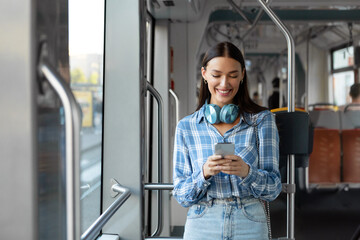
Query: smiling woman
214, 186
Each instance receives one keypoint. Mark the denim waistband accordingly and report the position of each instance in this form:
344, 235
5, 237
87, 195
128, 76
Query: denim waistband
229, 201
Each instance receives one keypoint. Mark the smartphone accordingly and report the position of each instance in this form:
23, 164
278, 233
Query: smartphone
224, 149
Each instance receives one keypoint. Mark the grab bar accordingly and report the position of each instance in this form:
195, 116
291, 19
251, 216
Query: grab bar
291, 108
94, 229
159, 186
164, 238
158, 98
72, 148
176, 104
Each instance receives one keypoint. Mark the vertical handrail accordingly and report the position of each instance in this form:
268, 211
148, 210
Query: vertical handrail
158, 98
72, 149
176, 104
291, 108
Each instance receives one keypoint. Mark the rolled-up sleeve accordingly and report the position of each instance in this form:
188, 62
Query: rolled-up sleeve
189, 186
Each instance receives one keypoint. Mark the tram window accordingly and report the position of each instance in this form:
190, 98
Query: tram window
341, 85
342, 61
86, 44
342, 58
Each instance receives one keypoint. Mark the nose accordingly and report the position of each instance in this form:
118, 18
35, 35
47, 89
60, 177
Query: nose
224, 80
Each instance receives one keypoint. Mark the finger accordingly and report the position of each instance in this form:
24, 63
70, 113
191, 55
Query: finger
233, 157
217, 167
215, 157
231, 172
214, 171
219, 162
231, 163
228, 168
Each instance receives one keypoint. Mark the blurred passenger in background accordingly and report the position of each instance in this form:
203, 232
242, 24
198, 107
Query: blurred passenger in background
274, 99
256, 98
355, 99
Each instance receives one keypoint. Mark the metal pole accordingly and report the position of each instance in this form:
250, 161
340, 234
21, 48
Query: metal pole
158, 98
159, 186
239, 11
72, 149
306, 103
176, 104
291, 108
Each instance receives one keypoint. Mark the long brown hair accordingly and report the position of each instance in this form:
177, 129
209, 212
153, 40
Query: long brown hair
242, 98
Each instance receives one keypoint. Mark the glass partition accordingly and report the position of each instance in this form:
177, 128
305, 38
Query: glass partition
86, 51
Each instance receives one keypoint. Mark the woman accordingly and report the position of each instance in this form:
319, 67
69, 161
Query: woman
224, 192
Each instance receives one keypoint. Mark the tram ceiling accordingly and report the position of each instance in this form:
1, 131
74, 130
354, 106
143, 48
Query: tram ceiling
267, 38
176, 10
327, 21
325, 28
305, 15
192, 10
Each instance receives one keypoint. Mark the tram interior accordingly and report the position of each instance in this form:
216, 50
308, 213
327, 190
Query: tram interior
111, 53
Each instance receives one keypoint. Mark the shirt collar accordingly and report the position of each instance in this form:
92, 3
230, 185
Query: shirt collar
200, 114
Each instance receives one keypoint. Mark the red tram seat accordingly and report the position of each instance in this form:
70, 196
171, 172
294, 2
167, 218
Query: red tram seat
351, 155
325, 160
350, 124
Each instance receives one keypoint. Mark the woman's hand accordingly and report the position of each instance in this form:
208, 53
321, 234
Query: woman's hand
213, 164
236, 166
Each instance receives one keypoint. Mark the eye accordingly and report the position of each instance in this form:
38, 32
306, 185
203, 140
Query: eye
234, 76
215, 76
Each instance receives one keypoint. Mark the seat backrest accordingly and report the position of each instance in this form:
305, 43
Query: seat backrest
350, 119
351, 155
325, 160
325, 119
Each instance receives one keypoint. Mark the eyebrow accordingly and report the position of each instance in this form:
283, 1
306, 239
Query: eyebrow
235, 71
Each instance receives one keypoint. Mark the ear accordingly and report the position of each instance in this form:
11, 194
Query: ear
203, 72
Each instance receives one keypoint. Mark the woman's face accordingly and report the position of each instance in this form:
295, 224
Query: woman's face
223, 75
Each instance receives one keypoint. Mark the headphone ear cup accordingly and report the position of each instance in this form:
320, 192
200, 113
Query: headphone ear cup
229, 113
212, 113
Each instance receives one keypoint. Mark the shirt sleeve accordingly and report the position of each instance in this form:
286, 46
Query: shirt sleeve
189, 186
265, 182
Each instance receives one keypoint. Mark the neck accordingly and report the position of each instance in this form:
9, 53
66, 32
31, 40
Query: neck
356, 100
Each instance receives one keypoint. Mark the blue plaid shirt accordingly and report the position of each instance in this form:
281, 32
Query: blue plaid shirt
194, 143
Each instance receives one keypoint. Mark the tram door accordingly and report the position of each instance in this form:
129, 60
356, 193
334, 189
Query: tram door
100, 57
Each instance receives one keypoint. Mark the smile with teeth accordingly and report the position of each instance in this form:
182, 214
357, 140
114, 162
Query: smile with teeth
224, 92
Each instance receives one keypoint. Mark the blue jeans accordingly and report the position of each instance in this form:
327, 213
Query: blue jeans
227, 219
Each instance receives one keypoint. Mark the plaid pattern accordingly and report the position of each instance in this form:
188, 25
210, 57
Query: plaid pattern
194, 143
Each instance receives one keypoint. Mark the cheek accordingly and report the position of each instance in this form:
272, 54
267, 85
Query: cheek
236, 84
211, 88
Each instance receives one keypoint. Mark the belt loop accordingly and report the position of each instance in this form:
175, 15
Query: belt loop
238, 200
210, 202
